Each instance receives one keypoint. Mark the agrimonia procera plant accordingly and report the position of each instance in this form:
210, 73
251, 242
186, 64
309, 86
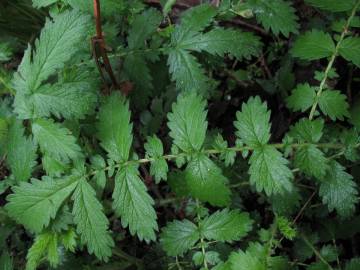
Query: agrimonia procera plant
148, 180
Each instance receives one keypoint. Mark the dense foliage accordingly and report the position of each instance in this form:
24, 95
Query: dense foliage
236, 147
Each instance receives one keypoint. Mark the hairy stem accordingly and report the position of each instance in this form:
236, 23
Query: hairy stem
202, 241
332, 60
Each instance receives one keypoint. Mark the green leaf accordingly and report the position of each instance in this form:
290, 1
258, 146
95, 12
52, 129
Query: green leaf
252, 123
193, 20
221, 41
45, 246
286, 228
6, 262
72, 97
332, 5
245, 261
142, 27
313, 45
108, 7
35, 204
91, 223
187, 72
353, 264
306, 130
269, 172
301, 98
6, 51
55, 140
228, 156
338, 190
155, 151
187, 122
206, 181
114, 127
311, 161
21, 152
133, 204
333, 104
277, 15
52, 50
226, 226
350, 50
43, 3
178, 237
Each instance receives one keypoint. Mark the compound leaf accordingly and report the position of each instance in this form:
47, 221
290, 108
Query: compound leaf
55, 140
252, 124
338, 190
133, 204
35, 204
178, 237
311, 161
350, 50
269, 172
301, 98
332, 5
277, 15
226, 226
187, 122
21, 152
333, 104
91, 223
54, 47
114, 127
313, 45
206, 181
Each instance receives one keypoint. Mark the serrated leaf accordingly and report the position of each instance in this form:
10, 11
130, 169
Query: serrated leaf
193, 20
245, 261
91, 223
114, 127
178, 237
187, 122
333, 104
72, 97
306, 130
332, 5
277, 15
187, 72
54, 47
55, 140
269, 172
108, 7
35, 204
221, 41
226, 226
21, 152
133, 204
45, 245
155, 150
142, 27
253, 123
43, 3
338, 190
350, 50
301, 98
311, 161
6, 51
313, 45
206, 181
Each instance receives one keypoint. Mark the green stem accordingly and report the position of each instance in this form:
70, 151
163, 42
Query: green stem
219, 151
317, 253
202, 241
332, 60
